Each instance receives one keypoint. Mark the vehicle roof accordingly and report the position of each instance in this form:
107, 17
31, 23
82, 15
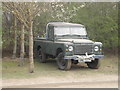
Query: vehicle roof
64, 24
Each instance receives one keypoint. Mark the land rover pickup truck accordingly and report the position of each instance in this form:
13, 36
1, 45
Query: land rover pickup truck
68, 44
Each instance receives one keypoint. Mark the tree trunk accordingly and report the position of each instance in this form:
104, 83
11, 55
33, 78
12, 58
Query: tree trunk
15, 38
31, 66
22, 51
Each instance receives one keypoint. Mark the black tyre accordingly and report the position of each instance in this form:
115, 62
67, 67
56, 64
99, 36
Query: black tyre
62, 63
94, 64
41, 56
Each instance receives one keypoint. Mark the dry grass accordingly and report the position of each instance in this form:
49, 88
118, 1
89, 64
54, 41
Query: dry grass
109, 65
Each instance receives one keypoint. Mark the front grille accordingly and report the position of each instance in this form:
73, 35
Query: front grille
82, 49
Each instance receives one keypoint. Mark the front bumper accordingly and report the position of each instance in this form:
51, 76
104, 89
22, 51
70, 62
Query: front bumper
84, 58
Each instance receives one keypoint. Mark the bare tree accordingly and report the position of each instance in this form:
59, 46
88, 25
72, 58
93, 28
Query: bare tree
15, 38
26, 13
22, 50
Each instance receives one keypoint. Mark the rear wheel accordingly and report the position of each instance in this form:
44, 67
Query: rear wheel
62, 63
94, 64
41, 56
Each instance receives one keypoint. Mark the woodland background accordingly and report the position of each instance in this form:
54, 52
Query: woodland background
100, 19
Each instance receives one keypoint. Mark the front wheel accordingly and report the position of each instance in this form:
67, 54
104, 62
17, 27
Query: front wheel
62, 63
94, 64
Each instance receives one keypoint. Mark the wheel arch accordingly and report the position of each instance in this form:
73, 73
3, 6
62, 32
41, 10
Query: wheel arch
38, 47
58, 51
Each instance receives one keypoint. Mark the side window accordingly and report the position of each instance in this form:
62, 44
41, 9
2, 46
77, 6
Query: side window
50, 33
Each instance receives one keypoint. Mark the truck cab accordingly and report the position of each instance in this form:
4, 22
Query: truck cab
68, 43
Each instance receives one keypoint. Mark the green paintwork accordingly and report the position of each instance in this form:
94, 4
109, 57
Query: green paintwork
50, 45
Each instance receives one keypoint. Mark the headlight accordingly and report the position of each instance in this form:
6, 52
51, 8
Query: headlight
70, 48
96, 48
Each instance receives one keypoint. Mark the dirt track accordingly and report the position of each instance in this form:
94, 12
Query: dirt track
98, 81
103, 84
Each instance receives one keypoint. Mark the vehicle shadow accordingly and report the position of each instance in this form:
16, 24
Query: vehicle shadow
79, 67
51, 61
74, 66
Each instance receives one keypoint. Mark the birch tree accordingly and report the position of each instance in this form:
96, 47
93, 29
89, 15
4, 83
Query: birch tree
15, 38
26, 13
22, 46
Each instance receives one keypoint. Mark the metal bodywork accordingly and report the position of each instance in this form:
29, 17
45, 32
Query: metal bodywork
83, 49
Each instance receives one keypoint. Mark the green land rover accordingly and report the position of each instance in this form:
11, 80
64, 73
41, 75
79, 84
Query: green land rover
69, 44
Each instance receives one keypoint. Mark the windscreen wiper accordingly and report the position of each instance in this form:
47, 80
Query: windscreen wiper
66, 35
76, 35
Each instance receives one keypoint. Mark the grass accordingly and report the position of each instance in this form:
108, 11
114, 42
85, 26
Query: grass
109, 65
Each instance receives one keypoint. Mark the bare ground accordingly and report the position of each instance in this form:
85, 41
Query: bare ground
97, 81
78, 77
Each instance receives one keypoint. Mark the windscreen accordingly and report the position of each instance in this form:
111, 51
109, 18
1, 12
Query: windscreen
61, 31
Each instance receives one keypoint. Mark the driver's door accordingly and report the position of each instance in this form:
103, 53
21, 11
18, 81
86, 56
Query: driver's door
49, 42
